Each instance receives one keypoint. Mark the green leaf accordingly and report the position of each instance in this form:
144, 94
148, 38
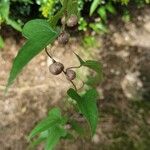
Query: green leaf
55, 112
14, 24
68, 136
72, 7
87, 105
4, 13
39, 35
94, 5
43, 136
91, 110
55, 133
74, 95
111, 8
77, 127
4, 9
102, 12
62, 1
53, 118
126, 16
1, 42
94, 65
99, 27
54, 19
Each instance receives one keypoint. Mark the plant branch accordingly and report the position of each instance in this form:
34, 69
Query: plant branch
49, 54
76, 67
53, 20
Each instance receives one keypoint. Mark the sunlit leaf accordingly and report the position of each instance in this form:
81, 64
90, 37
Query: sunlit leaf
4, 13
102, 12
87, 105
94, 5
4, 9
14, 24
99, 27
39, 35
94, 65
53, 119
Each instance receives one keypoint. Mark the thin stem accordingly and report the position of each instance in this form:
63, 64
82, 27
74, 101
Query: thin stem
49, 54
81, 86
75, 67
59, 14
73, 84
70, 81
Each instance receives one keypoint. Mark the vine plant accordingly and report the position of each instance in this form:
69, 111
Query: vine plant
39, 34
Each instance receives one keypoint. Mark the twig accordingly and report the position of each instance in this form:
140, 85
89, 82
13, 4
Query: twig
49, 55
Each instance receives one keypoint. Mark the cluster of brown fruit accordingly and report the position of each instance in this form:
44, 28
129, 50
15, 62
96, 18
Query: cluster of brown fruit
71, 22
56, 67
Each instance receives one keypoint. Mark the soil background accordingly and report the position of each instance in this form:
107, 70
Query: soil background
125, 92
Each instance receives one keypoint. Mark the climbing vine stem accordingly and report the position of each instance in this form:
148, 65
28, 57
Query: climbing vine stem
54, 20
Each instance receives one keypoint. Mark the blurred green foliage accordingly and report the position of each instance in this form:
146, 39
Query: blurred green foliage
1, 42
93, 13
48, 7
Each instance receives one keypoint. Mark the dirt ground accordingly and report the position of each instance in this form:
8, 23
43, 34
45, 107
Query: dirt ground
125, 92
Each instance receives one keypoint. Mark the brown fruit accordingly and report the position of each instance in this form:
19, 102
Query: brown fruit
72, 21
63, 38
56, 68
70, 74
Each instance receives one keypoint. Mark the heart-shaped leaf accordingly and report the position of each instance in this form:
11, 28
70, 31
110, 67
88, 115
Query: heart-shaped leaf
39, 35
94, 65
55, 133
87, 105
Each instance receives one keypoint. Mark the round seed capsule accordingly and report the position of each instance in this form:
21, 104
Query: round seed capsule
56, 68
72, 21
70, 74
63, 38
